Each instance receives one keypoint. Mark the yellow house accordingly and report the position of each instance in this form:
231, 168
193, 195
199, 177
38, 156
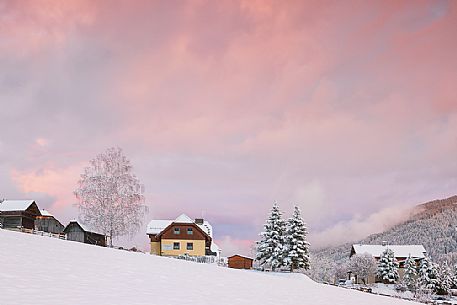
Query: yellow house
181, 236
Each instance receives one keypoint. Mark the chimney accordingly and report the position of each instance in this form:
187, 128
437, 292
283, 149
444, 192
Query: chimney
384, 243
199, 221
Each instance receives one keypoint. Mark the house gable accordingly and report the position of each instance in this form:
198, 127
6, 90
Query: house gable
169, 232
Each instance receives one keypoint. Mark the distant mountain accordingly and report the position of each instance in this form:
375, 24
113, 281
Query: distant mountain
432, 224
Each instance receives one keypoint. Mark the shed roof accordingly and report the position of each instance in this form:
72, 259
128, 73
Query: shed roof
83, 227
46, 213
242, 256
416, 251
15, 205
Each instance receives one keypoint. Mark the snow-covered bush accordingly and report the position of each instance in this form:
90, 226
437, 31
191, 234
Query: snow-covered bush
362, 265
387, 270
322, 269
445, 279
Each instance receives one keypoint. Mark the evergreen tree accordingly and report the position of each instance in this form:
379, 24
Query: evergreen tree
427, 275
297, 248
387, 267
410, 276
270, 250
445, 279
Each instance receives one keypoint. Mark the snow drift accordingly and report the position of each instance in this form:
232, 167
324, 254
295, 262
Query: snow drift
42, 270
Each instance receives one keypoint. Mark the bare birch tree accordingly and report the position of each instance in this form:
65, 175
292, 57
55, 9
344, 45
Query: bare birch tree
110, 197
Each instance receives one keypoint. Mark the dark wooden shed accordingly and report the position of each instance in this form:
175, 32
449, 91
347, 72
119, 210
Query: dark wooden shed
240, 262
78, 232
48, 223
18, 214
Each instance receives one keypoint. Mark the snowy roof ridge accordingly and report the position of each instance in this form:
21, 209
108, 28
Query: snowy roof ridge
85, 228
156, 226
245, 256
15, 205
45, 212
417, 251
183, 218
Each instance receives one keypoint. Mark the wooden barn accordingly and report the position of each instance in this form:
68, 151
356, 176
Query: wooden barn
48, 223
78, 232
240, 262
18, 214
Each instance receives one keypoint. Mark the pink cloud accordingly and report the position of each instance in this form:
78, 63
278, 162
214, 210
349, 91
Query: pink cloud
340, 107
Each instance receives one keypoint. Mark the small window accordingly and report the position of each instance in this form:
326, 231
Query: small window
175, 246
177, 231
190, 246
190, 231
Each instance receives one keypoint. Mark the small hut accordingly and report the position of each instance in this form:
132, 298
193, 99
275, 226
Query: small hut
78, 232
48, 223
18, 214
240, 262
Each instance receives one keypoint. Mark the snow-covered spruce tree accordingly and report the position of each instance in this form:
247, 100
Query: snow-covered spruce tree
110, 197
445, 279
270, 250
454, 271
387, 270
296, 247
362, 265
410, 276
427, 275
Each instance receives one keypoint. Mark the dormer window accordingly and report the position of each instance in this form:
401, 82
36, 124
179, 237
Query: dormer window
190, 231
177, 231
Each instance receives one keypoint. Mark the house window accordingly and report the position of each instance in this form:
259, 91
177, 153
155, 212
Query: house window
175, 246
190, 246
176, 231
190, 231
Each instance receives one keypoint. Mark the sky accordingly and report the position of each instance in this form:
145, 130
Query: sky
347, 109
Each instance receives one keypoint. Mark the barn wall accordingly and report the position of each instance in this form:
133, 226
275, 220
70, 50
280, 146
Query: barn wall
238, 262
155, 247
75, 233
48, 224
95, 239
11, 221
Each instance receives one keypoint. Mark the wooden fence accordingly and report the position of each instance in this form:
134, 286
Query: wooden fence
42, 233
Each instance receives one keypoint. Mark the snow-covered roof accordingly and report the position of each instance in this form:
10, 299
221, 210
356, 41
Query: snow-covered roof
183, 218
46, 213
241, 256
158, 225
15, 205
416, 251
85, 228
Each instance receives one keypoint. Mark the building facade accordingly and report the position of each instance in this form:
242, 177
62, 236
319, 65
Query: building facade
240, 262
76, 231
48, 223
182, 236
401, 252
18, 214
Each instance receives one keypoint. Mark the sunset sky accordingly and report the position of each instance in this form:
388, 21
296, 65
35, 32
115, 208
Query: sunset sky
345, 108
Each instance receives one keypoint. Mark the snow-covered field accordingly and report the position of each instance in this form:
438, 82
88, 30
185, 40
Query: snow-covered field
42, 270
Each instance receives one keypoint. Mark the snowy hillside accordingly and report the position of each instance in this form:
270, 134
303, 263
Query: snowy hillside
432, 224
42, 270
